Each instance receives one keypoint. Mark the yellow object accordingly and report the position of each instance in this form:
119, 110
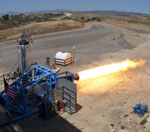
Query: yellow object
44, 79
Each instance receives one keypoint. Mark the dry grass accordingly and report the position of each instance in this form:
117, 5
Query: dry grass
84, 17
39, 28
130, 26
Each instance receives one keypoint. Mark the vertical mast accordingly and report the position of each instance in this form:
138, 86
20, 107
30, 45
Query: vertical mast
24, 59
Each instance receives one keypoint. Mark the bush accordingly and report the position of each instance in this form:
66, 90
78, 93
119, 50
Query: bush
82, 18
143, 122
5, 17
93, 19
98, 19
1, 20
123, 127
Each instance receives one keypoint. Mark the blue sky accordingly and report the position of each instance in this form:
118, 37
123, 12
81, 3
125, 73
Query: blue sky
37, 5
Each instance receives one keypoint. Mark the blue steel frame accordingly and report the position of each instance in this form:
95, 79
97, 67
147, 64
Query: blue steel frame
30, 78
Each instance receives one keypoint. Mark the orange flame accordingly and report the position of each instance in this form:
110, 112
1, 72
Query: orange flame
112, 68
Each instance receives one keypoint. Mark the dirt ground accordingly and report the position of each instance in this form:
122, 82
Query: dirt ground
107, 104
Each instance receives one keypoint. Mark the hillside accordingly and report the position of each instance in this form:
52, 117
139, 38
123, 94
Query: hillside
39, 28
9, 21
43, 23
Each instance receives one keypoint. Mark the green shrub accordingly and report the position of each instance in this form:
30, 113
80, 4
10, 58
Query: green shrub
143, 122
5, 17
82, 18
123, 127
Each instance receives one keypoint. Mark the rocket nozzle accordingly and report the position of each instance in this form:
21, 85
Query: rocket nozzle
76, 77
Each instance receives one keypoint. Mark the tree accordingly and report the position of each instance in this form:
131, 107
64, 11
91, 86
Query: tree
82, 18
5, 17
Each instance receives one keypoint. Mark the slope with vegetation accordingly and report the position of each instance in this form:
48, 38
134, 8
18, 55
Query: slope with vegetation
9, 21
11, 26
86, 17
43, 23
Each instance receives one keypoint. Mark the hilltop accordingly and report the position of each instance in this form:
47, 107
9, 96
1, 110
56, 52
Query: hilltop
106, 12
